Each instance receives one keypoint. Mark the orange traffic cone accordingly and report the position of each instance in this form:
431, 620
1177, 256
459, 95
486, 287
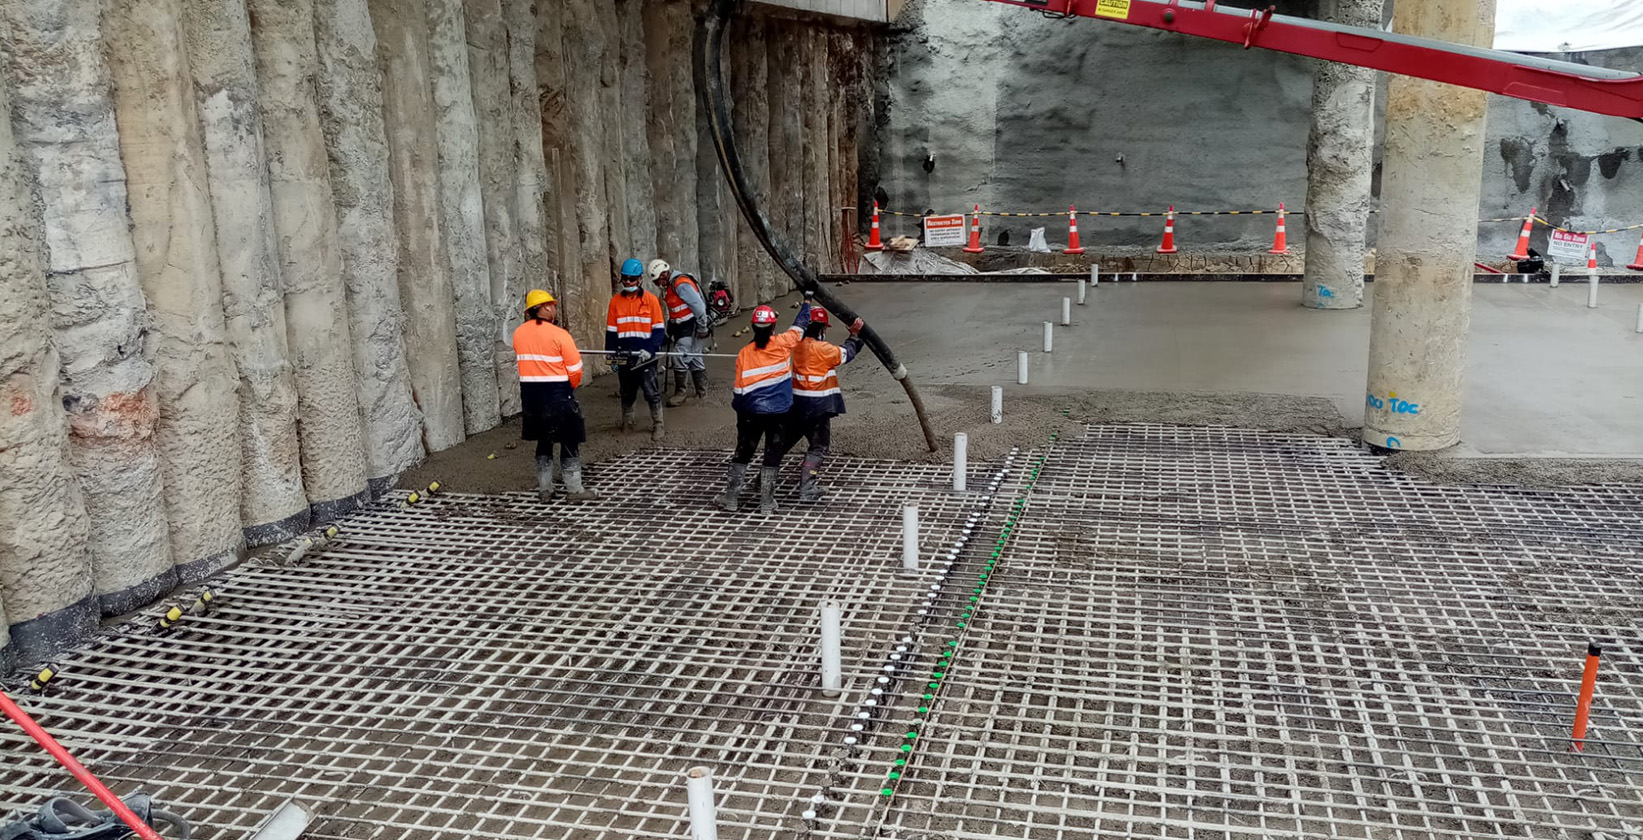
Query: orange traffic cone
1072, 232
873, 241
1637, 262
1168, 246
975, 233
1522, 252
1280, 240
1591, 258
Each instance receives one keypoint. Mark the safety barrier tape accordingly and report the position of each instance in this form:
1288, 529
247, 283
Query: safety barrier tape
1543, 221
1111, 214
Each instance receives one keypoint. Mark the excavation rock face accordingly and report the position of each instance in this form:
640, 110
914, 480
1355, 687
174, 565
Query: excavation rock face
62, 113
45, 566
196, 383
273, 505
356, 143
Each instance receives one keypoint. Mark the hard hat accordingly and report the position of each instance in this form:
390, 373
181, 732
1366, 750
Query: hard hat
657, 269
632, 268
537, 297
818, 316
764, 316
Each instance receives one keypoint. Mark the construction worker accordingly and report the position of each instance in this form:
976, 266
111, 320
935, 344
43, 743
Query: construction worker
763, 395
687, 327
816, 397
550, 370
634, 330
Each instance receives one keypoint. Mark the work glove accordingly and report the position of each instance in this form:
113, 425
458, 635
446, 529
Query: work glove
856, 327
703, 331
639, 357
809, 295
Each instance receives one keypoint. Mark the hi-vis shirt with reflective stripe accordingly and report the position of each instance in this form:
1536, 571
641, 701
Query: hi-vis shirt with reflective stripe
634, 322
816, 375
546, 353
679, 309
764, 376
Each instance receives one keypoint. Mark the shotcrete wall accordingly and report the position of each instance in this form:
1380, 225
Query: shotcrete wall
257, 257
1028, 114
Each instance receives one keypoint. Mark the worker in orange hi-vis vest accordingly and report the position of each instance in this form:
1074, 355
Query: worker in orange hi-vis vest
634, 328
688, 327
763, 395
817, 398
550, 369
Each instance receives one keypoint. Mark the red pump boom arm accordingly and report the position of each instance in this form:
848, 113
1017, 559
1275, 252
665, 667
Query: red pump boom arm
1613, 92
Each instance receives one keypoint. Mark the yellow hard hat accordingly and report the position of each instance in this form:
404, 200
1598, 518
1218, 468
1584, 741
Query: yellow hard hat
537, 297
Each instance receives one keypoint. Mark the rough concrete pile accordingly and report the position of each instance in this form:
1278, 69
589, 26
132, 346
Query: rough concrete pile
258, 257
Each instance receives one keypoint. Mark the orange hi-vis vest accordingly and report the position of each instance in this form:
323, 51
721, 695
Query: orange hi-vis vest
634, 322
764, 376
546, 353
677, 310
816, 368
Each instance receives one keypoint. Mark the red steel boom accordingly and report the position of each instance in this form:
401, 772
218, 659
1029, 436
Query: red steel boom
1613, 92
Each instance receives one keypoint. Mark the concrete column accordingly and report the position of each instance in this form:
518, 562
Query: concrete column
785, 71
817, 102
749, 75
530, 183
613, 138
305, 226
1431, 176
561, 234
671, 102
588, 282
716, 213
1339, 161
45, 566
471, 403
636, 158
176, 246
63, 114
493, 105
273, 505
356, 140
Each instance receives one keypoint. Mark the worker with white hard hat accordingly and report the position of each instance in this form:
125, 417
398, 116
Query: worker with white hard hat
688, 327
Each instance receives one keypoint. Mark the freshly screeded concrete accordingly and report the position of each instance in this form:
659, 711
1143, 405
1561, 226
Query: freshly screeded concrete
1133, 630
1547, 376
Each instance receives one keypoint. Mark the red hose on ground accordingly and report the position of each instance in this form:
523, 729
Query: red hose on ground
97, 788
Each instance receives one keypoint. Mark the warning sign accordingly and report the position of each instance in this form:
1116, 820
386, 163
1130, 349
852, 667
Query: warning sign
1115, 9
943, 230
1569, 248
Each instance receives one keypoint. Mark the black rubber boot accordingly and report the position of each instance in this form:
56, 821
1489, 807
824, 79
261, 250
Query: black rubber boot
544, 477
734, 479
810, 486
680, 390
767, 489
699, 377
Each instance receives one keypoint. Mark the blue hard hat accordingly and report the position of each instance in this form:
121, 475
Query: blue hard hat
632, 268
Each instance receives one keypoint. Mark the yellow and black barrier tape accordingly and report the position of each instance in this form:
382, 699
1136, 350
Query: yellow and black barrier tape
1543, 221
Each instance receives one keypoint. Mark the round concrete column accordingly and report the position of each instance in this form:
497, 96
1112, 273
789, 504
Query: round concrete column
1433, 167
1339, 161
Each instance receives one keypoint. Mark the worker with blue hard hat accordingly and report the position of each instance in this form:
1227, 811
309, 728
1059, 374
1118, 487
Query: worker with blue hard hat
635, 327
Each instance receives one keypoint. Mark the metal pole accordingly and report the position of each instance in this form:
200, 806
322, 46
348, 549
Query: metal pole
998, 394
832, 669
704, 818
961, 445
909, 538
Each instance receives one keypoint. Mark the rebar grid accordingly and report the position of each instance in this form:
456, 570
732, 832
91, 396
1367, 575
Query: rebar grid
500, 668
1214, 633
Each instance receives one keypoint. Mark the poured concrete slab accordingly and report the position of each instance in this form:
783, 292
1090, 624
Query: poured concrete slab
1548, 377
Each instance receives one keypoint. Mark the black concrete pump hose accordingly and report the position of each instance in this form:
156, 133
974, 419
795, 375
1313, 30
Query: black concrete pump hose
710, 80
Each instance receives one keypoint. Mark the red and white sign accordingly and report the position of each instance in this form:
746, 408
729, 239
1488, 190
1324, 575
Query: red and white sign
943, 230
1568, 248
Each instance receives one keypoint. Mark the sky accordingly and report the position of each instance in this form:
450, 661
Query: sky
1543, 26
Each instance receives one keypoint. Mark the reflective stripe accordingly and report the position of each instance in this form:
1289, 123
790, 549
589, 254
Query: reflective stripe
800, 392
633, 319
630, 334
823, 378
537, 357
544, 379
574, 368
779, 366
763, 383
611, 328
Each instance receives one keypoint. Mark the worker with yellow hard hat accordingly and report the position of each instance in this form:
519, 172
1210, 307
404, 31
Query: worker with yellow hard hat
550, 369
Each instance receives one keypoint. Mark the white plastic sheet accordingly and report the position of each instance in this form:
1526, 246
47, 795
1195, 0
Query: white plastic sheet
1036, 243
1553, 26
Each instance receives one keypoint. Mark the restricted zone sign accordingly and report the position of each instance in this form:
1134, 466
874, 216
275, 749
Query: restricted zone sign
943, 230
1568, 248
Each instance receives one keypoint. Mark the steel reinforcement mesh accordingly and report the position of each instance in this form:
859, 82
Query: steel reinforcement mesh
1150, 631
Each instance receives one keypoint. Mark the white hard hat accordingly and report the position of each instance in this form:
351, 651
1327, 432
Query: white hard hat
657, 269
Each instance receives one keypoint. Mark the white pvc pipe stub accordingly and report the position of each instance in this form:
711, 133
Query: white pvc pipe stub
832, 668
1640, 317
909, 538
1095, 276
1081, 291
1066, 312
704, 817
1021, 368
1557, 274
1591, 291
961, 460
998, 402
1049, 337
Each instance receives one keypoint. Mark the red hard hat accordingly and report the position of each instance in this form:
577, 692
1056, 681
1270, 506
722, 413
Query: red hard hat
764, 316
818, 316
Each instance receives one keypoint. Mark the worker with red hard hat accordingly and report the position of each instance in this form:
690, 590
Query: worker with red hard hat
817, 398
762, 397
550, 369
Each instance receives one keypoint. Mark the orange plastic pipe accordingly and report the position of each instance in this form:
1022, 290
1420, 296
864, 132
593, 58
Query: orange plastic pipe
1588, 684
97, 788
